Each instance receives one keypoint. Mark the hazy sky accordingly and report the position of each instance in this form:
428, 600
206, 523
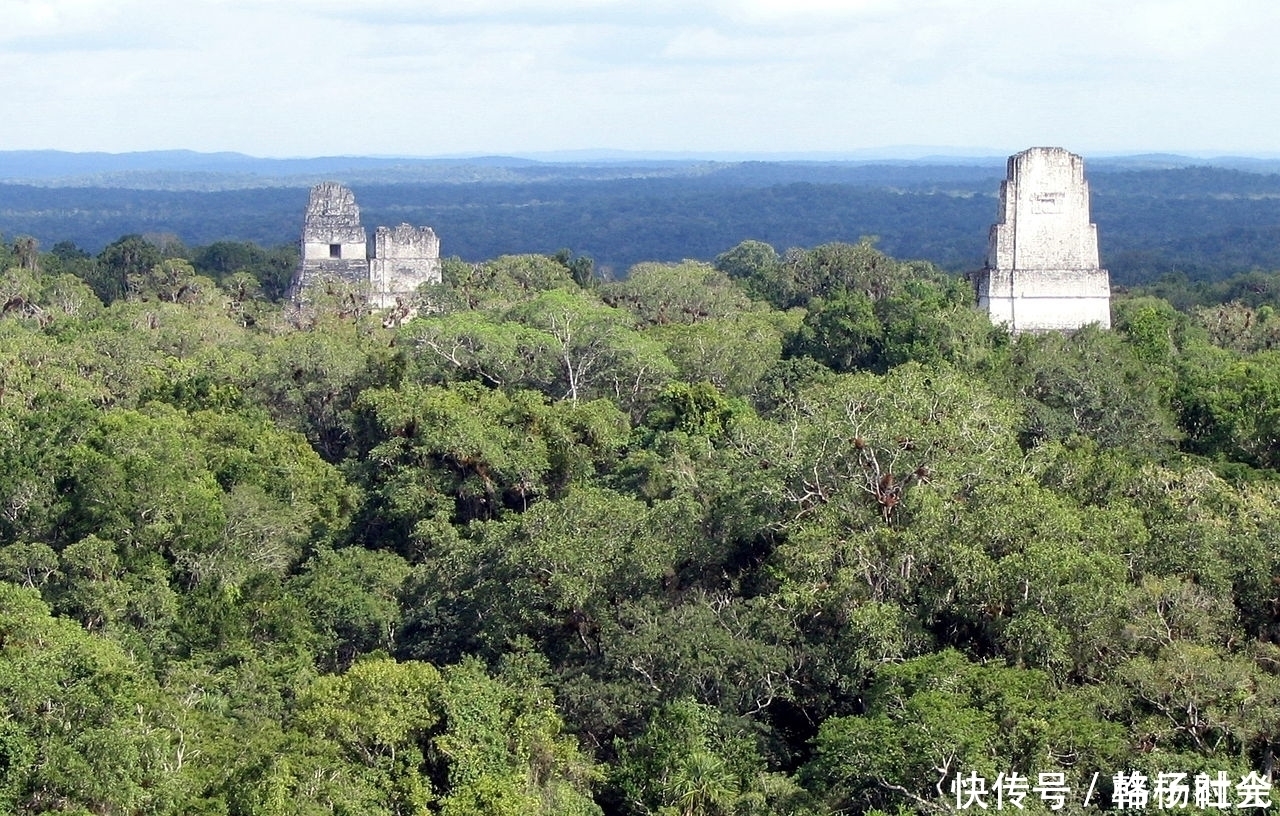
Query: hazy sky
421, 78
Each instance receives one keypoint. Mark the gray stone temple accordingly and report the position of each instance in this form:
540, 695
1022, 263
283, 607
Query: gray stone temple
335, 249
1042, 271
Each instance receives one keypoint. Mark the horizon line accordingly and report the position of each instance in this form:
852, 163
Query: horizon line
605, 154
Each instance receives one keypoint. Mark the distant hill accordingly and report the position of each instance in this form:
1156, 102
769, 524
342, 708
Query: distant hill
188, 170
56, 163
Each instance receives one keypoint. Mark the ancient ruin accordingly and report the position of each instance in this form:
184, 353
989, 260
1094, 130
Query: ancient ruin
1042, 271
335, 250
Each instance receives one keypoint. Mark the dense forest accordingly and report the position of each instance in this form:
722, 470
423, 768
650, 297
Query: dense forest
1155, 216
786, 532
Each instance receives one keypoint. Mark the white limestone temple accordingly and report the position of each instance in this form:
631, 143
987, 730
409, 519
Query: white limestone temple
335, 248
1042, 271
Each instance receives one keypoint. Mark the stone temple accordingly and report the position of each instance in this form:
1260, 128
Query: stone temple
335, 250
1042, 271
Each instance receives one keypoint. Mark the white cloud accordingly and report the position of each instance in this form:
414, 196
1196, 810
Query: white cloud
396, 76
774, 12
53, 25
27, 18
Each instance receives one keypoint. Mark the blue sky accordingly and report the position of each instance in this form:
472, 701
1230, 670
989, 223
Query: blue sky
424, 78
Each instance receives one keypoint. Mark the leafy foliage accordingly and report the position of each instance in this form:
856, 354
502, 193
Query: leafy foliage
792, 533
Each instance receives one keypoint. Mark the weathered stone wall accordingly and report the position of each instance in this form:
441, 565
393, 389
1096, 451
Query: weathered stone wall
406, 242
404, 258
1042, 269
1044, 218
1057, 300
332, 218
334, 244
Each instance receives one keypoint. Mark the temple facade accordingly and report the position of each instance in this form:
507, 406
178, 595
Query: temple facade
335, 250
1042, 271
